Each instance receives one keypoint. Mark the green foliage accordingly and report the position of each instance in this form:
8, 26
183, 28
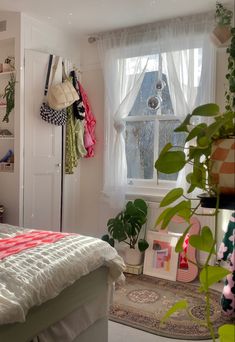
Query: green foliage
199, 139
230, 76
9, 95
203, 242
180, 305
172, 196
108, 239
126, 226
211, 275
226, 332
223, 16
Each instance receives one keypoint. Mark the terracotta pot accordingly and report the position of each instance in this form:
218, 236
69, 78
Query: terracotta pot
223, 165
221, 34
133, 256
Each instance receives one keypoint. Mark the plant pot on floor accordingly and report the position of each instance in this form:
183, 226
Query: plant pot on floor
223, 165
133, 256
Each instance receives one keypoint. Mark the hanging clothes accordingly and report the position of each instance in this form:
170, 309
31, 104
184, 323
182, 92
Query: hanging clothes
79, 136
90, 122
71, 155
78, 106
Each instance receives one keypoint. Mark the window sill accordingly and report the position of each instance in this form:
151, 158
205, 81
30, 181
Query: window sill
155, 194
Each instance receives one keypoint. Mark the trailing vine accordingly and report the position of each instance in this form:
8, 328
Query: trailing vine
9, 95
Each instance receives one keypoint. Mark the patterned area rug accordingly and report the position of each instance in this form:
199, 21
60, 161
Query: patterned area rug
143, 301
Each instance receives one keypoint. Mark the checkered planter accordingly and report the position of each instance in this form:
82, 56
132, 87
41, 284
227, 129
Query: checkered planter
223, 165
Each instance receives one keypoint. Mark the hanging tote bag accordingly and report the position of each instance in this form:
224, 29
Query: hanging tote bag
48, 114
61, 95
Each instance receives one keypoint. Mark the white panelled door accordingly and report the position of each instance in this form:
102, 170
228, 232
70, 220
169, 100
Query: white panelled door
43, 151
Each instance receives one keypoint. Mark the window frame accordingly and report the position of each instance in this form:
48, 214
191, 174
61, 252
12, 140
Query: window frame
144, 185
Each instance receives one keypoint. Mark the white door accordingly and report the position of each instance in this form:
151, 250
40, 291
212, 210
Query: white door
42, 153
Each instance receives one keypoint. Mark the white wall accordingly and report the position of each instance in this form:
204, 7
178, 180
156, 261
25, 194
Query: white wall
46, 38
93, 212
91, 169
30, 33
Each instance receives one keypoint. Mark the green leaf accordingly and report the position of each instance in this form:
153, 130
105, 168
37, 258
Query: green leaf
226, 332
170, 162
204, 241
142, 245
203, 142
161, 216
209, 109
141, 205
171, 196
166, 148
182, 208
199, 130
179, 245
183, 127
181, 305
214, 274
105, 238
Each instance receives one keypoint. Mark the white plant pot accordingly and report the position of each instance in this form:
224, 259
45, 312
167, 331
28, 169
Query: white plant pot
133, 256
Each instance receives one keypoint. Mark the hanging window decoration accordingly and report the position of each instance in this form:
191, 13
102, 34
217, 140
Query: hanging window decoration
154, 102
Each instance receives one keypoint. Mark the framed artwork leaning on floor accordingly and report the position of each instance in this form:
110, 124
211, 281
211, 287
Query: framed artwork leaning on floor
161, 260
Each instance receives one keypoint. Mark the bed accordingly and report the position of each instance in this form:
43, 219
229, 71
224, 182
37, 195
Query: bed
55, 290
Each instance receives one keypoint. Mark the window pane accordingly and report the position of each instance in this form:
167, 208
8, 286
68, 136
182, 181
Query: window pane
140, 149
167, 134
148, 89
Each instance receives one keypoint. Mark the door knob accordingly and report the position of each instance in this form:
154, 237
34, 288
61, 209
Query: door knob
58, 165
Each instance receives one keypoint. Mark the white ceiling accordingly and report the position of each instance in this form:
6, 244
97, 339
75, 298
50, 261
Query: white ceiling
91, 16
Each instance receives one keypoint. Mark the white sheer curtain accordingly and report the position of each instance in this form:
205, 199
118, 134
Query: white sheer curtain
190, 70
175, 40
122, 81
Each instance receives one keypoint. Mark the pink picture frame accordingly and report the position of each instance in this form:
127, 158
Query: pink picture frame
161, 260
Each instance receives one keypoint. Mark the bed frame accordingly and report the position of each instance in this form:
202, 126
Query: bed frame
86, 289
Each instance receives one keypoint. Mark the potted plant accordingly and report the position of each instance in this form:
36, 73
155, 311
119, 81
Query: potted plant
126, 228
200, 153
223, 18
9, 95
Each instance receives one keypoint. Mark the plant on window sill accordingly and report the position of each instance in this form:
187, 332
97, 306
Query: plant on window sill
198, 155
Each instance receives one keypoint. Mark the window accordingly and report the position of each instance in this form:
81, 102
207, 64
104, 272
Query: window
148, 130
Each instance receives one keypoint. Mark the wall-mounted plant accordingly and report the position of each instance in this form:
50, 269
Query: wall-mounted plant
9, 96
230, 92
223, 18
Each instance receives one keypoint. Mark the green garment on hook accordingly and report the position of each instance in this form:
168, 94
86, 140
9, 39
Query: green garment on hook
71, 156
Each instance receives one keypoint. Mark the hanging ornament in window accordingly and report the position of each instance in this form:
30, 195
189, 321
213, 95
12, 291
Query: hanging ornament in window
154, 102
160, 85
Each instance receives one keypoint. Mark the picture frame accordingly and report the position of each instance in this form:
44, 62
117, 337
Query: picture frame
161, 260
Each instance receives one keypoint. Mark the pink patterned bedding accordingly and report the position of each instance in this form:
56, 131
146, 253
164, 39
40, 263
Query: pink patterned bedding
19, 243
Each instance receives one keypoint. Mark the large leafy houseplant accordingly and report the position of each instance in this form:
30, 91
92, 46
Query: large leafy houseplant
127, 224
197, 153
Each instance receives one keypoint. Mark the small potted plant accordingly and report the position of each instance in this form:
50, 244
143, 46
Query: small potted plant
126, 228
223, 18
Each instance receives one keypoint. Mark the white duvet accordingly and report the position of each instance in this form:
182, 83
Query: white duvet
36, 275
